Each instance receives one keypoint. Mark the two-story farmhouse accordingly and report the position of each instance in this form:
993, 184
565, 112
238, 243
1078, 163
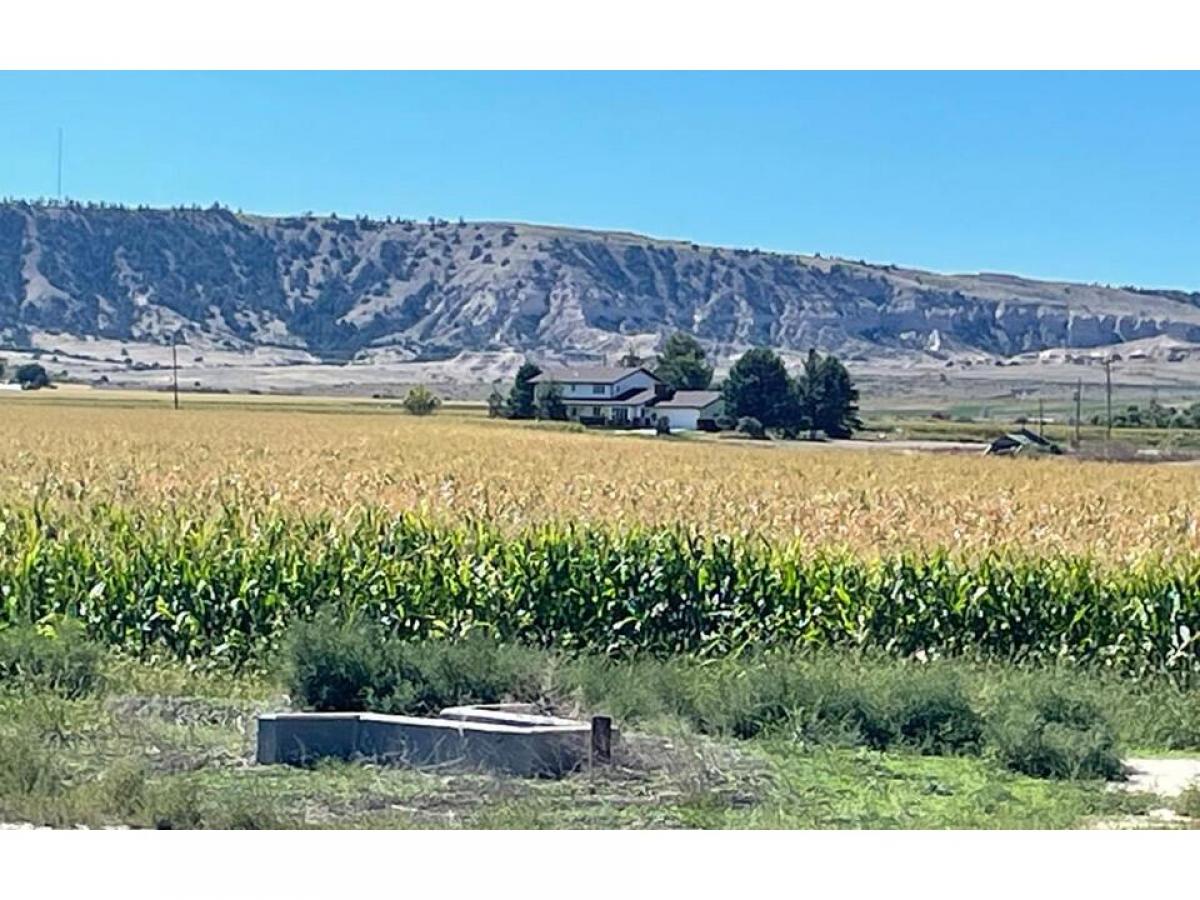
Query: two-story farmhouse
632, 397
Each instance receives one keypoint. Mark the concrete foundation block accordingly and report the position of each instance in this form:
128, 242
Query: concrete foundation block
493, 738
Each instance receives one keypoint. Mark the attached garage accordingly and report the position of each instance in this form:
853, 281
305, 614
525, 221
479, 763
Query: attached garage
690, 410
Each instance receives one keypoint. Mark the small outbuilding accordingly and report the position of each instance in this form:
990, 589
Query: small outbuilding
1021, 441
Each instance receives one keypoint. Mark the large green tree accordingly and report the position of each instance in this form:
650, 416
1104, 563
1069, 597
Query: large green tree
32, 376
809, 394
837, 411
522, 402
758, 386
682, 364
826, 399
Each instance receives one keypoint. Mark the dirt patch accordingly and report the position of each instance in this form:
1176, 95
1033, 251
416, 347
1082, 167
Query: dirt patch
1155, 818
647, 773
1164, 777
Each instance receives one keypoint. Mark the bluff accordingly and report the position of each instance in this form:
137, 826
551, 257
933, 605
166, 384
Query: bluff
341, 288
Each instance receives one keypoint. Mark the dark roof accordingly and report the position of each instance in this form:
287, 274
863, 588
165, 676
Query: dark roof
1022, 437
689, 400
634, 396
1030, 436
588, 374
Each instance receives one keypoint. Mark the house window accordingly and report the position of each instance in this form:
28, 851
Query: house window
598, 389
597, 411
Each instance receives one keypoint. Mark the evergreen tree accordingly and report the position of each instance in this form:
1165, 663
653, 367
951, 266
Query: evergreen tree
758, 386
682, 364
521, 399
839, 410
809, 393
828, 400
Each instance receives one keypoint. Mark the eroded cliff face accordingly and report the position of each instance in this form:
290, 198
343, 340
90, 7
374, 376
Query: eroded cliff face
341, 288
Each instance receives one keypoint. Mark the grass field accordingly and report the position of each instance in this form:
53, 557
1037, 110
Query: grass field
162, 746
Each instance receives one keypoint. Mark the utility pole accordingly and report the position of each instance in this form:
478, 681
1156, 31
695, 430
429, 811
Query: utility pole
1108, 397
1041, 417
1079, 397
175, 371
60, 165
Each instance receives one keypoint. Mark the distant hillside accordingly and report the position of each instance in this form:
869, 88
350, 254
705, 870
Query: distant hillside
340, 288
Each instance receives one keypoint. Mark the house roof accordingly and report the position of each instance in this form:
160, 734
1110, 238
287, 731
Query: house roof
689, 400
1029, 436
588, 374
1021, 438
634, 396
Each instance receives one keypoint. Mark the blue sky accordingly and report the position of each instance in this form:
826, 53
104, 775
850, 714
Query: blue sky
1092, 177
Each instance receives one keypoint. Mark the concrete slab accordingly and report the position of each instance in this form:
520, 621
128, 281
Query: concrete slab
493, 739
518, 714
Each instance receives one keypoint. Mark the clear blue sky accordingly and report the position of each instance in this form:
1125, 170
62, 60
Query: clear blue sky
1094, 177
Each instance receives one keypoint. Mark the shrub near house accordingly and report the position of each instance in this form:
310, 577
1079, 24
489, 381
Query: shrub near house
32, 376
421, 401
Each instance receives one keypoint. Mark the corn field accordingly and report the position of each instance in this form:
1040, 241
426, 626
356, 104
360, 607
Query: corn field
203, 540
266, 462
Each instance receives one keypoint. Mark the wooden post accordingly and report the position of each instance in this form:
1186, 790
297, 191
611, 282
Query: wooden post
601, 740
174, 372
1108, 397
1079, 397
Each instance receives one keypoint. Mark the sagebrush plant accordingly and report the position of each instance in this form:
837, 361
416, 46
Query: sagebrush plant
1046, 733
331, 665
58, 658
843, 699
933, 713
344, 666
820, 698
1188, 803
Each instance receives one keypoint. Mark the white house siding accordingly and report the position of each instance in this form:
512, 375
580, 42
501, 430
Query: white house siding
680, 419
595, 392
586, 391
